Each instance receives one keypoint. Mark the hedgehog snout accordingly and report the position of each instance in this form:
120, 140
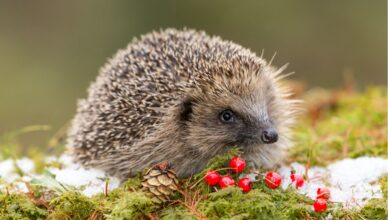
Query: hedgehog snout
269, 135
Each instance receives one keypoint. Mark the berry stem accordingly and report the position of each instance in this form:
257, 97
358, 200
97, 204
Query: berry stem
306, 170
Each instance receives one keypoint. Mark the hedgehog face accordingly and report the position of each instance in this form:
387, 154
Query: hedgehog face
240, 113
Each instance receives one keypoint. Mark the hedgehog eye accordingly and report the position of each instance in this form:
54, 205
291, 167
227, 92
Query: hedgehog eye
227, 116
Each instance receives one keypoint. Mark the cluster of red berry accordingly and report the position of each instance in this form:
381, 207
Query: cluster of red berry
323, 193
271, 179
236, 165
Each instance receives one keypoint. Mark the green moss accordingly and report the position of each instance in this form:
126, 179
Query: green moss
133, 183
353, 125
131, 205
384, 186
71, 205
176, 213
19, 206
107, 202
375, 209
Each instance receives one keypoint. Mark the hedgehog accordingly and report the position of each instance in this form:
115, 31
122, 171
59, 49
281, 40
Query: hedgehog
185, 97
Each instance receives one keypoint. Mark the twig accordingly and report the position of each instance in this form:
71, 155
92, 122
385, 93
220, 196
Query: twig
306, 171
106, 187
194, 210
96, 215
152, 217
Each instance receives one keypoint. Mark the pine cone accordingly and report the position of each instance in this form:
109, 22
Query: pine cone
160, 182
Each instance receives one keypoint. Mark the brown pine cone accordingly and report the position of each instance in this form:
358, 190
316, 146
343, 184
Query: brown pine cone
160, 182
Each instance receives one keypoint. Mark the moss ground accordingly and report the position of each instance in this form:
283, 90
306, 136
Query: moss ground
337, 124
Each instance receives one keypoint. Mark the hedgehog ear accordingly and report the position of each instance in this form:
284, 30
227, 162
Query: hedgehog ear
186, 109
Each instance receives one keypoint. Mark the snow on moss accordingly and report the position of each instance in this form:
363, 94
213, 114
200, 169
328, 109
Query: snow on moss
88, 181
352, 182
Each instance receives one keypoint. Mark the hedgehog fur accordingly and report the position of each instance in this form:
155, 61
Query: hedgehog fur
164, 97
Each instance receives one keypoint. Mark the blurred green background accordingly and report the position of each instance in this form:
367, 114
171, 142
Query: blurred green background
51, 50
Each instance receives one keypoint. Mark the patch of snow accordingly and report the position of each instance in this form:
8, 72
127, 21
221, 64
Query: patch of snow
9, 175
67, 160
26, 165
351, 181
99, 187
76, 177
350, 172
89, 181
356, 180
92, 181
8, 170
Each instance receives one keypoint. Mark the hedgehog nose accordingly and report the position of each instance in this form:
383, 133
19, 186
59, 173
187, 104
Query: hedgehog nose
269, 136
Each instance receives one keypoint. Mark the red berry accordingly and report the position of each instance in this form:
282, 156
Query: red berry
237, 164
212, 178
273, 180
298, 179
320, 205
226, 181
245, 184
323, 193
292, 176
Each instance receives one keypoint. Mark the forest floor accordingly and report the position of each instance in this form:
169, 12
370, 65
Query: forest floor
340, 143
